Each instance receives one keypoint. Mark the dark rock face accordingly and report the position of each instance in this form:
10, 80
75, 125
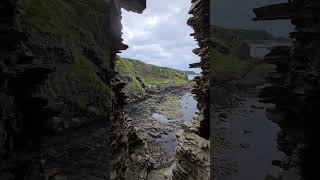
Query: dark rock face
20, 125
54, 124
119, 127
136, 6
295, 89
200, 23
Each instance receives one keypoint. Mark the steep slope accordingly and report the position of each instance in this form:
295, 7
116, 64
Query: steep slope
230, 54
142, 78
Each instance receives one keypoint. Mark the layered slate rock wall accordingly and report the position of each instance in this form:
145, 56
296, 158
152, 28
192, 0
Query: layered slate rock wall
55, 90
296, 85
200, 23
119, 130
193, 150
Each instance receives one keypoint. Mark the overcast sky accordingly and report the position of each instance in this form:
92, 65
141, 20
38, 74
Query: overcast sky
239, 14
160, 35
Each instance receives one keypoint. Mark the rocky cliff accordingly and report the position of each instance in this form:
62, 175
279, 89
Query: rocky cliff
200, 23
295, 85
20, 125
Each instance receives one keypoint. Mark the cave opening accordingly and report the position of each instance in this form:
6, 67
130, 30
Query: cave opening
158, 82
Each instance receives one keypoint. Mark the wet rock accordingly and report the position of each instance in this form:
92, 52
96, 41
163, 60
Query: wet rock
151, 130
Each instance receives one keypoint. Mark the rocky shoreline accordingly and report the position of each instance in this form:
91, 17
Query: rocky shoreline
157, 90
159, 128
149, 127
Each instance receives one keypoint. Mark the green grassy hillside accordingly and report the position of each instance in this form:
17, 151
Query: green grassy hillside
142, 76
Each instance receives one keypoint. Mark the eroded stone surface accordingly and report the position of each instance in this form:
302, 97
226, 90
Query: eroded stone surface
192, 157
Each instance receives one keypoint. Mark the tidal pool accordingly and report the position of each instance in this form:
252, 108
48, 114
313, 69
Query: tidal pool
188, 106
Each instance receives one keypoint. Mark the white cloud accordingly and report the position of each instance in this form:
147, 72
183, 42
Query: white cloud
160, 35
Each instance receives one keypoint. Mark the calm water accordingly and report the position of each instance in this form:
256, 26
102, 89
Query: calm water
257, 148
189, 108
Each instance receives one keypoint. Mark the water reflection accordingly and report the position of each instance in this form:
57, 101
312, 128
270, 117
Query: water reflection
189, 107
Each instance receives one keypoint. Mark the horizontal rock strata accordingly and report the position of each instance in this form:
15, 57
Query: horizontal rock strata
200, 23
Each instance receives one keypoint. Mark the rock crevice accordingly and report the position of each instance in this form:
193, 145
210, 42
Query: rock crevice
193, 149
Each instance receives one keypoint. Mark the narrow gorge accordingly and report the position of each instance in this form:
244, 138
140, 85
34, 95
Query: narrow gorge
63, 104
155, 121
73, 108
